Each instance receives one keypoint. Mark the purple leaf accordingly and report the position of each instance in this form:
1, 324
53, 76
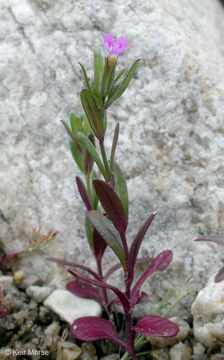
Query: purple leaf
212, 238
152, 325
84, 290
220, 275
99, 245
143, 297
83, 193
91, 328
112, 205
102, 284
136, 245
159, 264
69, 263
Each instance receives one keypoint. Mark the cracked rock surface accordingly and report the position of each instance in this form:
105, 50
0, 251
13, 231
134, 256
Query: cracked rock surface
171, 117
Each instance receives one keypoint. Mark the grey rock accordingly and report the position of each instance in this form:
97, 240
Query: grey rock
70, 307
29, 281
38, 293
208, 312
171, 117
180, 351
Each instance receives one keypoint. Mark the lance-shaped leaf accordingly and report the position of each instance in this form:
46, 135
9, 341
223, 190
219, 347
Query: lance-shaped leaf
98, 69
121, 186
103, 285
83, 193
143, 297
90, 147
218, 239
152, 325
72, 136
159, 264
220, 275
86, 77
77, 156
108, 75
70, 263
84, 290
92, 113
109, 233
134, 250
91, 328
113, 149
123, 85
112, 205
99, 246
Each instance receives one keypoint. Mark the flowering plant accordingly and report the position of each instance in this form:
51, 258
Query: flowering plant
106, 202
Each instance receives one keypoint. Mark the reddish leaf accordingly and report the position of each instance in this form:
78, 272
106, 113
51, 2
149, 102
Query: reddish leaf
84, 290
69, 263
152, 325
136, 245
159, 264
213, 238
83, 193
91, 328
104, 285
99, 245
143, 297
112, 204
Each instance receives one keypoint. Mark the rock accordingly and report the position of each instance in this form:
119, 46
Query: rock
198, 349
67, 351
18, 277
53, 329
180, 351
182, 334
110, 357
38, 293
29, 281
171, 128
70, 307
208, 313
5, 279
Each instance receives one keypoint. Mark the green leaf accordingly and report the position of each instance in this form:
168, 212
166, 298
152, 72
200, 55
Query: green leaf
92, 113
108, 77
86, 77
98, 69
119, 75
98, 99
113, 149
90, 147
109, 233
76, 124
77, 155
121, 186
123, 85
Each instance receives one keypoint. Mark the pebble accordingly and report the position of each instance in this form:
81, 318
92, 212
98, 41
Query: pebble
53, 329
180, 351
29, 281
68, 351
4, 279
38, 293
182, 334
18, 277
208, 314
70, 307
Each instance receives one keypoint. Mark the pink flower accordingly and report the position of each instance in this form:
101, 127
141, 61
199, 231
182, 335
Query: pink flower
115, 48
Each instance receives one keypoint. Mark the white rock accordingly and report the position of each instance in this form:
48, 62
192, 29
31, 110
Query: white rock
171, 127
208, 314
6, 279
70, 307
180, 351
38, 293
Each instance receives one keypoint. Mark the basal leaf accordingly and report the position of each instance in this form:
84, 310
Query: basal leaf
92, 113
84, 290
152, 325
109, 233
91, 328
111, 204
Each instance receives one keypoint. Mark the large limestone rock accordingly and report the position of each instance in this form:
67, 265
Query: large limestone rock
171, 143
